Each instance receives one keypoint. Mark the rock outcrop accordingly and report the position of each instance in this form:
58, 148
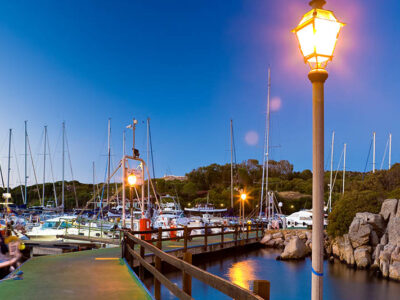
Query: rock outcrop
373, 241
283, 239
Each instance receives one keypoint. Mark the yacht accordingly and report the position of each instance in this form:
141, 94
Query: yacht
302, 219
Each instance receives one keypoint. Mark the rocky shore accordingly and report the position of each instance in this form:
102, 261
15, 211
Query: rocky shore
373, 241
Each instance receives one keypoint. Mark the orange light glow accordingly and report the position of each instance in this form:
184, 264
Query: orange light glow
132, 179
243, 196
317, 34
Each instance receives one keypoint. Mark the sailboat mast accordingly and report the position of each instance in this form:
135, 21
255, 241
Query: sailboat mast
44, 164
108, 158
94, 186
330, 179
344, 166
63, 167
148, 160
390, 150
9, 161
268, 126
373, 152
231, 127
26, 163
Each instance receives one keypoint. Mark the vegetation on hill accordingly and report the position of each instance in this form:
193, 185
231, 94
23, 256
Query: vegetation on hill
363, 191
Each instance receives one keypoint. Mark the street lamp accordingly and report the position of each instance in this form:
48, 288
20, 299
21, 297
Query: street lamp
132, 179
317, 34
243, 197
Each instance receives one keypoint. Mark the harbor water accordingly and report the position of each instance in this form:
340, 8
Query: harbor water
289, 280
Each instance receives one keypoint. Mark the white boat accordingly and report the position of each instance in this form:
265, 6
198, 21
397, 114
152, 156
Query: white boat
49, 230
301, 219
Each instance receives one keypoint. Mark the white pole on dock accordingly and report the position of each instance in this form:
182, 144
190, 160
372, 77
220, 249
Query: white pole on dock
26, 163
330, 179
44, 164
390, 150
373, 151
9, 161
344, 166
94, 186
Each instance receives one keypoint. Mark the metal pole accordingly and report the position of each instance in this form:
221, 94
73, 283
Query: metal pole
317, 78
26, 163
9, 161
330, 179
268, 124
123, 182
44, 164
344, 166
108, 159
390, 150
123, 192
148, 157
63, 167
373, 153
231, 164
142, 190
94, 186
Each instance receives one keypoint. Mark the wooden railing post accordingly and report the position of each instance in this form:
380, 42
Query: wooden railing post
186, 278
236, 235
157, 284
141, 267
262, 288
222, 236
185, 238
205, 236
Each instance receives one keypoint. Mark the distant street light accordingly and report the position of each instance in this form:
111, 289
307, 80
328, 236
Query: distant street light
317, 34
243, 196
132, 179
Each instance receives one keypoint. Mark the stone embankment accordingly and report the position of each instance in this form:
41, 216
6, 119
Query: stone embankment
296, 243
373, 241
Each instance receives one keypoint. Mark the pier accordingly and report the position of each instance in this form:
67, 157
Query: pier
108, 273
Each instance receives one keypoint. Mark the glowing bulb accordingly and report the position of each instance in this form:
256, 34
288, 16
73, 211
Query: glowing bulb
243, 196
132, 179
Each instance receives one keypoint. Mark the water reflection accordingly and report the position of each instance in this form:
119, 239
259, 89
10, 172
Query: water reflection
289, 280
243, 273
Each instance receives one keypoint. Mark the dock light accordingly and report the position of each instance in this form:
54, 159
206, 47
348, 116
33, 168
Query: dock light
132, 179
243, 196
317, 34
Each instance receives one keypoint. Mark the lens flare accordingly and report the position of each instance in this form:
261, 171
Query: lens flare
251, 138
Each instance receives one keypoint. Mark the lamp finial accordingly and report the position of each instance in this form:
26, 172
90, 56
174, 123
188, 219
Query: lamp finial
317, 3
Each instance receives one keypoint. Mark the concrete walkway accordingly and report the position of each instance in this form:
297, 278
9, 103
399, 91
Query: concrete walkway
92, 274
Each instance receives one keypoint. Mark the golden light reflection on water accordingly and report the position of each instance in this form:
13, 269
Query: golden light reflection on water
243, 273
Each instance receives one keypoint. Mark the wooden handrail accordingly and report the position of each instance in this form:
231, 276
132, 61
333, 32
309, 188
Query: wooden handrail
220, 284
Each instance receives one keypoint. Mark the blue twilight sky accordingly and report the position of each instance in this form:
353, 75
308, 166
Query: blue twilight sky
190, 66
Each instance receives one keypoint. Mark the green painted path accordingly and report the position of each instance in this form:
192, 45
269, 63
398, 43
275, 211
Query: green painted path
92, 274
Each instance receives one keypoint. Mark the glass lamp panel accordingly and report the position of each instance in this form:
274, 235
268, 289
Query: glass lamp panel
306, 39
326, 33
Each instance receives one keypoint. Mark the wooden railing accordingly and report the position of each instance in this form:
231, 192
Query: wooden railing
132, 239
240, 234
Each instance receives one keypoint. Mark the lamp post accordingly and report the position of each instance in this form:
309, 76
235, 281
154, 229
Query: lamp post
317, 34
243, 197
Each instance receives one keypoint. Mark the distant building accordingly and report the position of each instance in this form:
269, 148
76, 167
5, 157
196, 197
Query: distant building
174, 177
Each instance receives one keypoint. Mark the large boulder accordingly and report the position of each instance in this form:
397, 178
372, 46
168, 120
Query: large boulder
362, 257
295, 249
347, 253
266, 239
375, 220
277, 235
384, 263
388, 209
359, 232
